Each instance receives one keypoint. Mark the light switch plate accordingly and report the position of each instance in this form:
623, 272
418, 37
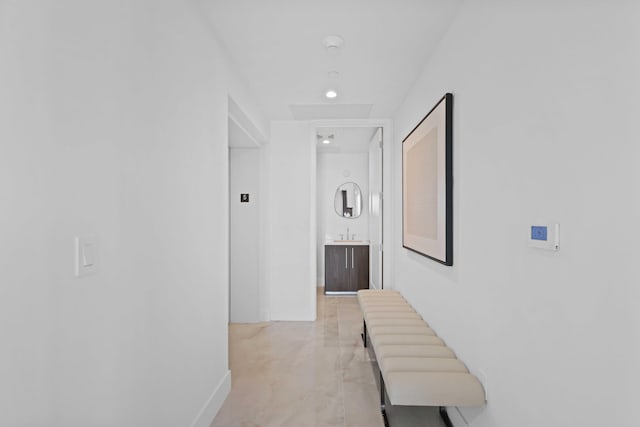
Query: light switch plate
86, 255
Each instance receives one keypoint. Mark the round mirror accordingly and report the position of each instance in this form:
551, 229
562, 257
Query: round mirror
348, 200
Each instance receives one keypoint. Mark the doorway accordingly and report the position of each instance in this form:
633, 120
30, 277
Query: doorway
348, 158
246, 228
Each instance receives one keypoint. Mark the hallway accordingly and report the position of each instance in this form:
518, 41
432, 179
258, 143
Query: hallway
308, 374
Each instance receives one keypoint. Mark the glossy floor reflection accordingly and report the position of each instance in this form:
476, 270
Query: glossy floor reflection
308, 374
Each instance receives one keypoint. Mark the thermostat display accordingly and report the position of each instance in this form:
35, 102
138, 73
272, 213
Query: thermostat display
539, 232
545, 237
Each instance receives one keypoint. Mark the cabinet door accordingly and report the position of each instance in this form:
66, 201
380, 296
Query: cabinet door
359, 263
336, 268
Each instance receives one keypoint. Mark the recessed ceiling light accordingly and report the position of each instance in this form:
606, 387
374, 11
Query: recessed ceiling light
326, 141
331, 94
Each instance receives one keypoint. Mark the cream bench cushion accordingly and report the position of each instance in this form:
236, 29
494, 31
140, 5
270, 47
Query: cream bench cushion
435, 387
416, 367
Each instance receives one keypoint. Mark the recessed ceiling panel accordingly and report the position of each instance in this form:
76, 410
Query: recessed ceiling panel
334, 111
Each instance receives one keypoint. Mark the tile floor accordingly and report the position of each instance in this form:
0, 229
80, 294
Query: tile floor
309, 374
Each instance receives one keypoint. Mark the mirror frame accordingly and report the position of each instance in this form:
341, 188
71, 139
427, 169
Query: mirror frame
341, 194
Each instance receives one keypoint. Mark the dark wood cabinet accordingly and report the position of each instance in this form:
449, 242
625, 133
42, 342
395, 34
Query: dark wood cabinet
359, 277
346, 268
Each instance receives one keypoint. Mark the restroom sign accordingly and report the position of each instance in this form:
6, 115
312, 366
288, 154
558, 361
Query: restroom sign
244, 197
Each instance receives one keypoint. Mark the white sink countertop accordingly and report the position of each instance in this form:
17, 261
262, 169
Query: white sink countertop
347, 242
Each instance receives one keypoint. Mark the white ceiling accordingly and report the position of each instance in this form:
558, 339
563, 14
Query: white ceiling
277, 47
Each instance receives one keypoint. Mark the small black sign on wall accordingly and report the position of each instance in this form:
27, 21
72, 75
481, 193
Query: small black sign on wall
244, 197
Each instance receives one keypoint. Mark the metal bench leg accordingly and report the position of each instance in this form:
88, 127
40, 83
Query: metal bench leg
445, 417
364, 332
383, 405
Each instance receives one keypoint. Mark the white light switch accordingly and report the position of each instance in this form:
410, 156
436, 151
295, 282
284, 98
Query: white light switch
86, 255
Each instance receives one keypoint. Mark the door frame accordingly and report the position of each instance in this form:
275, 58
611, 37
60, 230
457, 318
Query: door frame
254, 139
387, 204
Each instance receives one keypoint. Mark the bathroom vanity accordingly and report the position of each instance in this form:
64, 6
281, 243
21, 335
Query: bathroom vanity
346, 266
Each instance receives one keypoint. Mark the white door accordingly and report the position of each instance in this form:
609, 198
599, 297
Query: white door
375, 210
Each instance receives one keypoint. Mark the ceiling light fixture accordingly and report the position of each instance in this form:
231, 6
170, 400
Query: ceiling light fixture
331, 94
325, 139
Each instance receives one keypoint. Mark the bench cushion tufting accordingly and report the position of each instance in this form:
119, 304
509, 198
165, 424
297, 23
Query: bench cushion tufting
417, 367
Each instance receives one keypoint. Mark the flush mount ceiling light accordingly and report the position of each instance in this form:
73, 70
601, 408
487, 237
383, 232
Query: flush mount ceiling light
331, 94
333, 43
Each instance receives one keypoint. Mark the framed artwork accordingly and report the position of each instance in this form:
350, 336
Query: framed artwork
427, 185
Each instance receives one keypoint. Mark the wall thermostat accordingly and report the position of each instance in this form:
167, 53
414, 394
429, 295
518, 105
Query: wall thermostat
545, 236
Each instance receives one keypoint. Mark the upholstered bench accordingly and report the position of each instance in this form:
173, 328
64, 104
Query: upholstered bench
416, 367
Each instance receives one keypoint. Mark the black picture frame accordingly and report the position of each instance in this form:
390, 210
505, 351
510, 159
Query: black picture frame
427, 184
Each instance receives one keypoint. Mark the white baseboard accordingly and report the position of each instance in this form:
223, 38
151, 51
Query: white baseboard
214, 403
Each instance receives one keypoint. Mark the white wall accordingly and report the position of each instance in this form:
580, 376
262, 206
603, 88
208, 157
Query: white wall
244, 230
291, 154
104, 130
546, 107
330, 175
